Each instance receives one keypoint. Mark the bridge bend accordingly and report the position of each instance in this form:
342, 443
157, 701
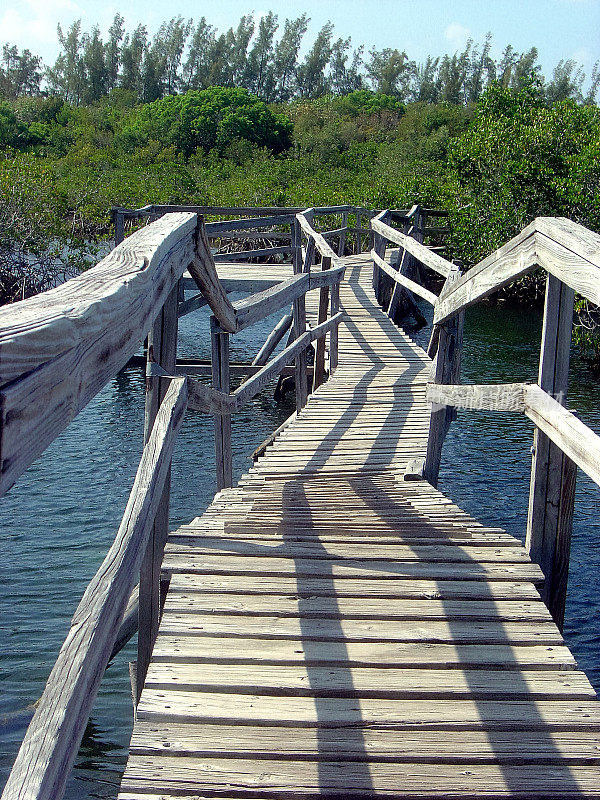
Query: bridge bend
334, 626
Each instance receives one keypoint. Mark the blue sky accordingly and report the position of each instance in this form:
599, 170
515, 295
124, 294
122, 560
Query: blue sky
558, 28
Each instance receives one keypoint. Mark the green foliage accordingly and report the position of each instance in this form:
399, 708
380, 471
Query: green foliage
211, 118
12, 132
520, 159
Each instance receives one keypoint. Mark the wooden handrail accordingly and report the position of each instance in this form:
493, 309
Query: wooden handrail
562, 248
420, 251
53, 737
320, 243
58, 349
579, 442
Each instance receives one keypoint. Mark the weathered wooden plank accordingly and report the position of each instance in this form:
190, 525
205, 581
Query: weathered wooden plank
552, 489
367, 682
468, 715
320, 242
272, 340
208, 400
222, 421
570, 253
162, 350
58, 349
263, 304
245, 255
420, 251
52, 740
509, 262
203, 270
401, 279
319, 371
573, 437
237, 650
372, 745
486, 397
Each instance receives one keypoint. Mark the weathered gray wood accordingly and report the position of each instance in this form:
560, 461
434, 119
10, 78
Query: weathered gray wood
253, 385
208, 400
52, 740
204, 272
320, 243
514, 259
245, 235
191, 304
334, 334
570, 252
446, 371
127, 630
343, 234
58, 349
552, 489
245, 255
222, 422
421, 253
398, 277
574, 438
224, 226
263, 304
297, 330
327, 278
296, 234
162, 350
487, 397
273, 340
358, 231
319, 373
119, 224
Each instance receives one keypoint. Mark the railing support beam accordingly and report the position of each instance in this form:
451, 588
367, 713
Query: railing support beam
162, 349
446, 370
553, 474
220, 382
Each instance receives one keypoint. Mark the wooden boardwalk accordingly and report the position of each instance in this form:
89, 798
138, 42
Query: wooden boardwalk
333, 630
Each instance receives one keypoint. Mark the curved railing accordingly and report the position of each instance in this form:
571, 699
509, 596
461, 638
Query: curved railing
570, 255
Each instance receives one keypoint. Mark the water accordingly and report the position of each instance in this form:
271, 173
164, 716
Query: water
60, 519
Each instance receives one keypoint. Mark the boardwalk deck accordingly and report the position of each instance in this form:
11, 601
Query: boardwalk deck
332, 630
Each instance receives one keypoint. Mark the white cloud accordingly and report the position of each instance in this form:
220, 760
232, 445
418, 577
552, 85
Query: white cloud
457, 34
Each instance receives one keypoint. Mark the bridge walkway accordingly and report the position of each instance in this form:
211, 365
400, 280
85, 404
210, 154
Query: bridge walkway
332, 630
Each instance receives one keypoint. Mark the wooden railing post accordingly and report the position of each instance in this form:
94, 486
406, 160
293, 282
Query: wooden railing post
446, 370
553, 474
162, 349
333, 336
297, 245
220, 381
298, 328
342, 244
378, 244
319, 370
358, 231
119, 225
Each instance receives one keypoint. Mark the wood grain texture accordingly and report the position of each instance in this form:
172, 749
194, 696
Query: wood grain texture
58, 349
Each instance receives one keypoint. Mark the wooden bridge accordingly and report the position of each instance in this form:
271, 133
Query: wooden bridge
333, 625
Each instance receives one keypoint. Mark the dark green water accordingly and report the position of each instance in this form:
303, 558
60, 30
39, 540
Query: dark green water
60, 519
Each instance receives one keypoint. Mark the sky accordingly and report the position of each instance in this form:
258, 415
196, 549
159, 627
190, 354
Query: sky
560, 29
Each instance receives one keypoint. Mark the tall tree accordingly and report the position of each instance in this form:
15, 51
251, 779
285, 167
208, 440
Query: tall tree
345, 78
20, 73
67, 76
566, 83
390, 72
132, 58
259, 76
425, 88
197, 68
112, 55
310, 76
96, 74
286, 57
